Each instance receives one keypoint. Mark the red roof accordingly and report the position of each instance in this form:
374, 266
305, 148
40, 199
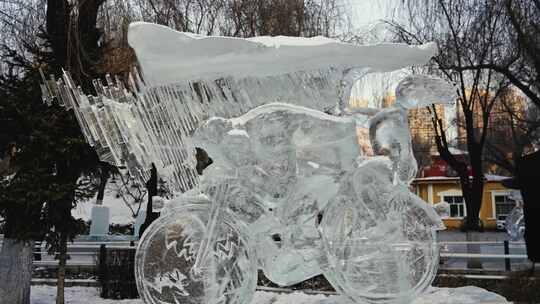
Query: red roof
440, 168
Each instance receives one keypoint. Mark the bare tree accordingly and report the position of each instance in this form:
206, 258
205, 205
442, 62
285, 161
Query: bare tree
518, 53
524, 70
514, 132
74, 38
240, 18
422, 151
131, 192
20, 22
467, 33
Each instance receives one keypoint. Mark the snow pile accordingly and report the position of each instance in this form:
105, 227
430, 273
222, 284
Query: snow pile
73, 295
462, 295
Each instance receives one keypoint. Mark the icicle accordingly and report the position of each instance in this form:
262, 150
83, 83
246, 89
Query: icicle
153, 124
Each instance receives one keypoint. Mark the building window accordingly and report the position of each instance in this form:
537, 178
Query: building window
457, 205
503, 206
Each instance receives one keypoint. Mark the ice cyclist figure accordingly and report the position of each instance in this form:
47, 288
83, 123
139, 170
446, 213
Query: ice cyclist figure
294, 192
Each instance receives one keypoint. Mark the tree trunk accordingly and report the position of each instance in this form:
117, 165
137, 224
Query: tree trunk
78, 55
15, 271
61, 279
473, 263
103, 178
151, 186
474, 203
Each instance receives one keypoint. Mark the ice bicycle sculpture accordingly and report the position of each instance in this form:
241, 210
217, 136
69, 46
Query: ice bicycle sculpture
292, 190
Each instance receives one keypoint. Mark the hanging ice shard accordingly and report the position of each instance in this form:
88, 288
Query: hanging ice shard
291, 190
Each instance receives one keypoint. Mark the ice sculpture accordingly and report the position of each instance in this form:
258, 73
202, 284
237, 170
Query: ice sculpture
515, 220
291, 190
442, 209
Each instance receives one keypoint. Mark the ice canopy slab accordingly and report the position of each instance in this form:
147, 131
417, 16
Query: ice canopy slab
175, 56
188, 78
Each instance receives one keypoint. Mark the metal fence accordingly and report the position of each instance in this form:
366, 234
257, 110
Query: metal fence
86, 253
496, 251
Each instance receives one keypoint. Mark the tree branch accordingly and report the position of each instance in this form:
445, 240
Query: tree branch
505, 72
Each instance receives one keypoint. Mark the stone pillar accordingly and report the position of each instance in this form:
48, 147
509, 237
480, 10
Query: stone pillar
100, 220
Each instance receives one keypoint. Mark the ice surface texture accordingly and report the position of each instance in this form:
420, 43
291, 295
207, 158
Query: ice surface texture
292, 190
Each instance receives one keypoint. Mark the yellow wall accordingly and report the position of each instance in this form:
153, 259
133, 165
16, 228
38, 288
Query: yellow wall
421, 188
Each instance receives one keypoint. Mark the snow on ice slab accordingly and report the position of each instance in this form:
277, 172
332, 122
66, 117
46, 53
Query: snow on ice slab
174, 56
461, 295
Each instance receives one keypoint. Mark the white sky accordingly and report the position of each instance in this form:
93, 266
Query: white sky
364, 13
368, 11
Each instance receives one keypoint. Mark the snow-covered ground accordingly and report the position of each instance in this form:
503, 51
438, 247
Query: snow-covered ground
463, 295
73, 295
80, 295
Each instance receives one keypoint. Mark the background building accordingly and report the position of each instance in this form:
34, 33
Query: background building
496, 204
